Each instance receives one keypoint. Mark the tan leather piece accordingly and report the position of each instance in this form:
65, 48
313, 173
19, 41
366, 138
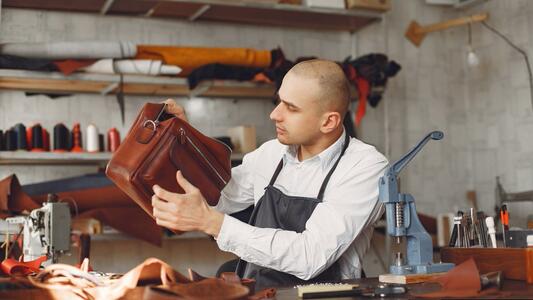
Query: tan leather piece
66, 278
162, 280
460, 282
210, 289
190, 58
151, 271
156, 147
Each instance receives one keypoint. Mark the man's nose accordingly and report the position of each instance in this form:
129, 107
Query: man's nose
275, 115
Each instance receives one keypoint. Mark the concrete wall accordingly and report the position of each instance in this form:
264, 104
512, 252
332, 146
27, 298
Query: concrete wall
485, 112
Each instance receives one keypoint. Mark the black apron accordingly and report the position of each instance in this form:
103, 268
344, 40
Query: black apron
277, 210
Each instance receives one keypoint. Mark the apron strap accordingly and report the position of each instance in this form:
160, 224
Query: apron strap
276, 173
326, 180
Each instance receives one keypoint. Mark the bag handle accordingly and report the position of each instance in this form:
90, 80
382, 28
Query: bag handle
155, 121
143, 136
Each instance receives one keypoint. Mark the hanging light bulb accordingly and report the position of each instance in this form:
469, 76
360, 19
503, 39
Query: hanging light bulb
471, 57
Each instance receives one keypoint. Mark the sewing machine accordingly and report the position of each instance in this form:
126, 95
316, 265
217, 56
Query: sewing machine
46, 231
402, 220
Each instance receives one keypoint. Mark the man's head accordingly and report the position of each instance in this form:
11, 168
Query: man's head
314, 97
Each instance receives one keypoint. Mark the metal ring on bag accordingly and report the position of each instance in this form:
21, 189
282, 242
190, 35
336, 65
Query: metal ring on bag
154, 124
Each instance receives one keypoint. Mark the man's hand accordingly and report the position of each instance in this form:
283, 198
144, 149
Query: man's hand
185, 212
175, 109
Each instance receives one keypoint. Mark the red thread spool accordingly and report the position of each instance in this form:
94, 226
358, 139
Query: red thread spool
113, 139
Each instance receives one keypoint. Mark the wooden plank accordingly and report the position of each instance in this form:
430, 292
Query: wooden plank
66, 5
53, 86
285, 15
218, 89
407, 279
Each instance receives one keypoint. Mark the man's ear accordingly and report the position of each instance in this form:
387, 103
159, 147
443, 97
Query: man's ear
331, 121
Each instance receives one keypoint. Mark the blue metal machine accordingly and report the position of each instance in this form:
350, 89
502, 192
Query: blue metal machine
402, 220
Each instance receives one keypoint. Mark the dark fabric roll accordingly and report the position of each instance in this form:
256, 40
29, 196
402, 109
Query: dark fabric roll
221, 71
20, 131
37, 138
23, 63
10, 140
61, 138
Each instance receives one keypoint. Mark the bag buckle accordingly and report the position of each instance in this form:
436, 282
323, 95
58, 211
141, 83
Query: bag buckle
155, 122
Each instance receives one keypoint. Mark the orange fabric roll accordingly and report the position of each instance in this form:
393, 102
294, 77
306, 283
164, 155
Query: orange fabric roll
190, 58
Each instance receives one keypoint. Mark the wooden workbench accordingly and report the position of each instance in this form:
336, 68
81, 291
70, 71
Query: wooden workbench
512, 289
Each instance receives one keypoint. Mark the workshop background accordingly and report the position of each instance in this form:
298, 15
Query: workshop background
484, 111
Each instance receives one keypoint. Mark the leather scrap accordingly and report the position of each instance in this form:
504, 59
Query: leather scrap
14, 267
460, 282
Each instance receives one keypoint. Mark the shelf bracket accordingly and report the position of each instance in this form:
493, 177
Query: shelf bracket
107, 5
109, 88
151, 11
199, 12
201, 88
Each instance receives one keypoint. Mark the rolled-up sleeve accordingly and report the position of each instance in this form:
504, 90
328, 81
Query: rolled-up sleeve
350, 204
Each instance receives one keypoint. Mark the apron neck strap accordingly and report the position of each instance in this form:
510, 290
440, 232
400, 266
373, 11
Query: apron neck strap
326, 180
276, 173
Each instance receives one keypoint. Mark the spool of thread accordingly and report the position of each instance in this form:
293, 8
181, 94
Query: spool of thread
113, 139
36, 136
76, 139
92, 138
28, 138
10, 140
61, 138
20, 131
2, 143
46, 140
101, 146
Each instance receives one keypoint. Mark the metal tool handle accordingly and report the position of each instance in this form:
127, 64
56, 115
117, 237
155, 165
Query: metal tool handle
402, 162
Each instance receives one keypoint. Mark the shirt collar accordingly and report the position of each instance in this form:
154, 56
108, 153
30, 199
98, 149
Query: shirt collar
326, 157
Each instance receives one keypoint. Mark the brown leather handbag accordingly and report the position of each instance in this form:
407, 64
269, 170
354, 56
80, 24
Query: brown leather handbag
156, 147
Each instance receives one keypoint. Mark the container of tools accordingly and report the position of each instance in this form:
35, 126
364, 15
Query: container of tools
515, 263
474, 236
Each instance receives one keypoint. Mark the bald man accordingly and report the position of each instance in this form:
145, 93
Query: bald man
314, 188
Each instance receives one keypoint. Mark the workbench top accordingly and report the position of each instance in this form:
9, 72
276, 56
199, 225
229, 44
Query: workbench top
512, 289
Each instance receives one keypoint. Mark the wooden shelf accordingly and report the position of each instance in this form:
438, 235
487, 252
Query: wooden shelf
57, 83
67, 158
285, 15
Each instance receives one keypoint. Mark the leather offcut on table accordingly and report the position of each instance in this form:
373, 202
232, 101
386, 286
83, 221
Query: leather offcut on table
160, 280
461, 282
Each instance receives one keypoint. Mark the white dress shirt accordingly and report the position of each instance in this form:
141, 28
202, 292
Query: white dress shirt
340, 227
